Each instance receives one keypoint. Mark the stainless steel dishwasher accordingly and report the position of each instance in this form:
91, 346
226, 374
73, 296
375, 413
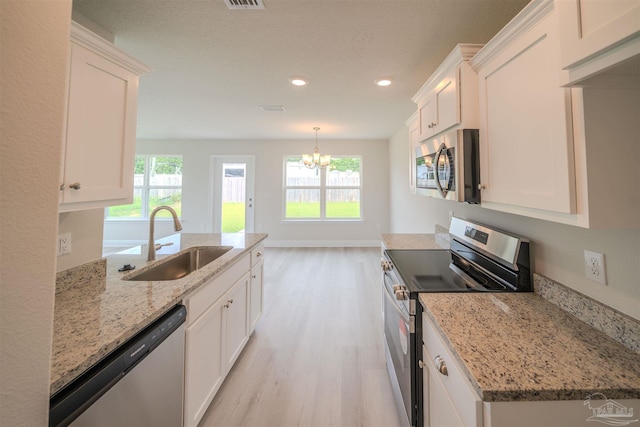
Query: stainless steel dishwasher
139, 384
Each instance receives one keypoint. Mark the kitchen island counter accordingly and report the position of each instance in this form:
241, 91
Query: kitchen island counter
95, 310
521, 347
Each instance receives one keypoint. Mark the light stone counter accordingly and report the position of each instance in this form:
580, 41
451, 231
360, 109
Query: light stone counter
95, 310
519, 346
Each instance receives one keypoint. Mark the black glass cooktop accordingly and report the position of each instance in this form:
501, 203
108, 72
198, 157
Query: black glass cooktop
425, 270
431, 271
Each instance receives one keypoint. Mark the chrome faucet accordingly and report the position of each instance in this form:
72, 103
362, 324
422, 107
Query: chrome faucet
176, 226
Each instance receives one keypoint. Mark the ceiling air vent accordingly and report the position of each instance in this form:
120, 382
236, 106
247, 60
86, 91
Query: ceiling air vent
244, 4
272, 108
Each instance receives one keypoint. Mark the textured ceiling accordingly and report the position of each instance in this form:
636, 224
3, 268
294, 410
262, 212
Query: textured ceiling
213, 67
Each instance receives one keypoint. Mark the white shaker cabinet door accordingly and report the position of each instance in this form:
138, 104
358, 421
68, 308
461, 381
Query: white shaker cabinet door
256, 295
100, 140
237, 327
597, 34
526, 135
204, 363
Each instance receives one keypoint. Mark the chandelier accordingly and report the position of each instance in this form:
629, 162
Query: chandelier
315, 160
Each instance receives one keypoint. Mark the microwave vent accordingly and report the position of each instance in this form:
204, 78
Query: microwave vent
244, 4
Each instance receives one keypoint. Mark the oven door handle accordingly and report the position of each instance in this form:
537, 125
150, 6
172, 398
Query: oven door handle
467, 279
406, 317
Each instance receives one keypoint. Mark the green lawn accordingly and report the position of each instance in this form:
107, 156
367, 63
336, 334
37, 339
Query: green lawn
133, 210
334, 210
232, 217
233, 213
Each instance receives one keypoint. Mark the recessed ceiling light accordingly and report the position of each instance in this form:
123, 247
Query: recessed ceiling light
298, 81
384, 82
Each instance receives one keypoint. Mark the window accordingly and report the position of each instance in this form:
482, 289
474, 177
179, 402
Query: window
323, 194
157, 181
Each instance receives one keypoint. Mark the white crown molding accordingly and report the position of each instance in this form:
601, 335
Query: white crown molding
461, 53
533, 13
92, 41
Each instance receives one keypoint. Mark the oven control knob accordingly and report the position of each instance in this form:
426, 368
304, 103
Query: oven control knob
397, 287
386, 265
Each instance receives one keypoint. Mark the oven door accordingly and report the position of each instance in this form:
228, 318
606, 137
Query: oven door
398, 327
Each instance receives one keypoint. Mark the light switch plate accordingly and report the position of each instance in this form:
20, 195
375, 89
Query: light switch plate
594, 267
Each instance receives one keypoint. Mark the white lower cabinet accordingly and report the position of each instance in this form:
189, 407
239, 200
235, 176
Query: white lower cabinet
235, 323
449, 400
204, 367
256, 287
217, 332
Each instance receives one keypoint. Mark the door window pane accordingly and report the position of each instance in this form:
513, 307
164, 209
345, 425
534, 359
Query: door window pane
233, 197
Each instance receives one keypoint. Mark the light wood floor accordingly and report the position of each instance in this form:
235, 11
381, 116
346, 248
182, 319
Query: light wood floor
316, 357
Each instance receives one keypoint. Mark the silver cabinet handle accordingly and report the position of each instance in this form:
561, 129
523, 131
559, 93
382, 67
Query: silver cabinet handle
258, 254
75, 186
481, 186
62, 187
441, 366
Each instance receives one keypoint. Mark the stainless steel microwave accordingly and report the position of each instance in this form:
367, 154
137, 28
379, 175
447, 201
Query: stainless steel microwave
448, 166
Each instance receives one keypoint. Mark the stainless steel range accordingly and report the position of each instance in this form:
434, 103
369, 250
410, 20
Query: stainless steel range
481, 259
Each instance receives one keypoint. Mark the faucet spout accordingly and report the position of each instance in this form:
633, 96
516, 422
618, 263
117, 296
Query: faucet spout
177, 226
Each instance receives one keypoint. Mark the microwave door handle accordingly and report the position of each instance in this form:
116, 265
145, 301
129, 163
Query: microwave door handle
436, 159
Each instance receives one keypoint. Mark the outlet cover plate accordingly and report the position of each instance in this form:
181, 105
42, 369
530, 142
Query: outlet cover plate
594, 267
64, 244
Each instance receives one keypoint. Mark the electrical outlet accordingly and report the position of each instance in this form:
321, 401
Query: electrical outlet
64, 244
594, 267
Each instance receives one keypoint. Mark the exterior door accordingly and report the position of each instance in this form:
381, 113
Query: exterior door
233, 194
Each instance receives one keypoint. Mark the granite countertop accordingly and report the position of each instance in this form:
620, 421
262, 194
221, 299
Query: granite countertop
95, 310
519, 346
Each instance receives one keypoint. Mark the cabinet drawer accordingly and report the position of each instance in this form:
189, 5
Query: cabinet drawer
208, 294
257, 254
466, 401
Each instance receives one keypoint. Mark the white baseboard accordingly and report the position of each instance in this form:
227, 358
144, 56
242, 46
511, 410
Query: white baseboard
322, 243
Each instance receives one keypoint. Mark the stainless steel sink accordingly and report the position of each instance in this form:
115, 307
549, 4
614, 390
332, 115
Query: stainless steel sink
184, 264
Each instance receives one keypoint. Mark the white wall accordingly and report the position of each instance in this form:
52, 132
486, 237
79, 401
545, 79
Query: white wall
268, 190
35, 38
557, 250
86, 237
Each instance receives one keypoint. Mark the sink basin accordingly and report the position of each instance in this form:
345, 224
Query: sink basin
184, 264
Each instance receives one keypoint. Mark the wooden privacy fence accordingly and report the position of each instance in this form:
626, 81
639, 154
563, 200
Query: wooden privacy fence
335, 179
233, 189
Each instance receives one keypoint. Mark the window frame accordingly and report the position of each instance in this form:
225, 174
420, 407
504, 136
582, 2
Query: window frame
145, 189
323, 188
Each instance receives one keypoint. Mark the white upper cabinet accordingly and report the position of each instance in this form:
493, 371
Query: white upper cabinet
442, 101
526, 139
597, 35
99, 149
